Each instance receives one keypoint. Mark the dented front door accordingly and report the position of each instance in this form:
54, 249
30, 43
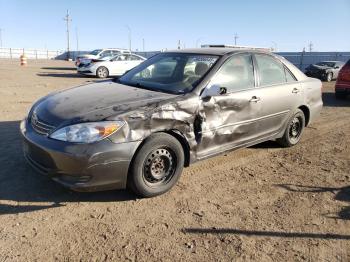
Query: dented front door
228, 121
231, 119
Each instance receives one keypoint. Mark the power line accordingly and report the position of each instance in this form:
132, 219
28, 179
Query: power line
67, 19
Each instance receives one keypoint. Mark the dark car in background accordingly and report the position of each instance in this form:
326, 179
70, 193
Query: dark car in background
326, 70
342, 86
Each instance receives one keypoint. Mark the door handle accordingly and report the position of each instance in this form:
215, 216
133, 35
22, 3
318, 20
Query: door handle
254, 99
295, 90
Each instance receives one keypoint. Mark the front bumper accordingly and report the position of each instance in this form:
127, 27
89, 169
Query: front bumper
85, 71
82, 167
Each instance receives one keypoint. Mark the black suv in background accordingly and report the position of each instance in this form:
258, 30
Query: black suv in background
326, 71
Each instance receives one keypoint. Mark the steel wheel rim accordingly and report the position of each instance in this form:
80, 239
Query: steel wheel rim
159, 167
295, 128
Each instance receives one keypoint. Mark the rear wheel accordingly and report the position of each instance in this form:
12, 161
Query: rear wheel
294, 130
157, 166
102, 72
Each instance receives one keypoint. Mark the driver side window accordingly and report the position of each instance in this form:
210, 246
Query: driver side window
237, 73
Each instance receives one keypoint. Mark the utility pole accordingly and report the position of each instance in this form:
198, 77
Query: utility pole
129, 36
179, 44
311, 45
0, 37
236, 37
143, 44
67, 19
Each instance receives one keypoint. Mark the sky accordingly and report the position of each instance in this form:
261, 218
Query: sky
282, 24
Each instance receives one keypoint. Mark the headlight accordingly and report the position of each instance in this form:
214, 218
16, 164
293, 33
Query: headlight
87, 132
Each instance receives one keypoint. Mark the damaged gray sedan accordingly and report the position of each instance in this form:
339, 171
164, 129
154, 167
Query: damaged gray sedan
174, 109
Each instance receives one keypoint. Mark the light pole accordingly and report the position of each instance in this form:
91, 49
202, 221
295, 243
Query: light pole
143, 44
67, 19
0, 37
77, 38
274, 46
129, 35
236, 37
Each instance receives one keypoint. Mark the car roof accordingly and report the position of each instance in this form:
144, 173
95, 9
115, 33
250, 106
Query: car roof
114, 49
331, 62
217, 50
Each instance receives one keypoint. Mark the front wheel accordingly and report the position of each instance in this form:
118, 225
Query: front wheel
102, 72
294, 130
329, 77
157, 166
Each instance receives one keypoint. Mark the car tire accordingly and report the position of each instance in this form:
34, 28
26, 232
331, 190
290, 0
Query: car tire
294, 130
102, 72
157, 165
329, 77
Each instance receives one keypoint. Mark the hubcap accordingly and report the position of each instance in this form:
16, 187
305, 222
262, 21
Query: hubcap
159, 166
103, 72
295, 128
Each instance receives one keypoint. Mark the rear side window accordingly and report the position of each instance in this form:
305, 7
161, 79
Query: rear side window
271, 71
289, 76
237, 73
134, 58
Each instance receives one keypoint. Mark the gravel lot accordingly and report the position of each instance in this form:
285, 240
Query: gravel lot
263, 203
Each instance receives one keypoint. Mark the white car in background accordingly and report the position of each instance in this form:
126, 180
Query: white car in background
115, 66
103, 54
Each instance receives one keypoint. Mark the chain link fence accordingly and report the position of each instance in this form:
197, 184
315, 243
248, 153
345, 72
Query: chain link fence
15, 53
299, 59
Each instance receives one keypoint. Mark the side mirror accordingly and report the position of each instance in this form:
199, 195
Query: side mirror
214, 90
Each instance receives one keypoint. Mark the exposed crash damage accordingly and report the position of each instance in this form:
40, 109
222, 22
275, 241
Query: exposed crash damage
176, 108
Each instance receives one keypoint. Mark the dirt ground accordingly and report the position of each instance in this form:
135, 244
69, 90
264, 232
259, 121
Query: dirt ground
263, 203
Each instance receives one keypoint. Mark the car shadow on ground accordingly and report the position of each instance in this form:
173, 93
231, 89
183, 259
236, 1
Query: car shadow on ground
258, 233
71, 75
19, 183
68, 75
266, 144
340, 194
58, 68
329, 100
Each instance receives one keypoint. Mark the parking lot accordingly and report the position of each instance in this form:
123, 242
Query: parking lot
264, 203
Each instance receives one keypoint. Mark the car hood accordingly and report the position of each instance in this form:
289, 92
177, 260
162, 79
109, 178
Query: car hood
94, 102
317, 67
87, 56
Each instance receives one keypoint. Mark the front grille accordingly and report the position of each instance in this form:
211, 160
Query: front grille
39, 126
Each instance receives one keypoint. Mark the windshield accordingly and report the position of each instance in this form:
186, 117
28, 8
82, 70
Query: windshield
176, 73
329, 64
95, 52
